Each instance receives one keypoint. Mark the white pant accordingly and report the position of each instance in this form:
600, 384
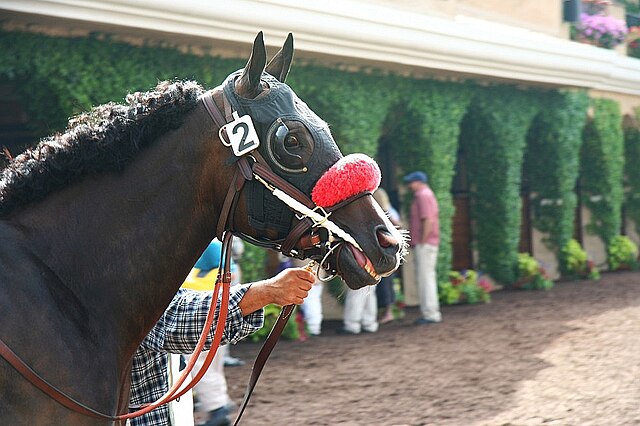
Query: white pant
361, 310
211, 390
426, 256
312, 308
180, 410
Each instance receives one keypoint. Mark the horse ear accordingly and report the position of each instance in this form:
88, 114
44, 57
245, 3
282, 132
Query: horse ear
280, 64
248, 85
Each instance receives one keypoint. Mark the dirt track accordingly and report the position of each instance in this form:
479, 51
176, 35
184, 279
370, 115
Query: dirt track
569, 356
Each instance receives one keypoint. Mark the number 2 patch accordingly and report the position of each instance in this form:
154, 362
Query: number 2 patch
242, 135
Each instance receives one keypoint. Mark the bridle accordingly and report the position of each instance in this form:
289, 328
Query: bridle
314, 236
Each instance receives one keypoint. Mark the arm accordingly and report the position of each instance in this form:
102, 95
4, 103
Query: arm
426, 229
178, 330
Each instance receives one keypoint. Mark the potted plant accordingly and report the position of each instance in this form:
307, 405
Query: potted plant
599, 30
622, 253
531, 274
575, 263
467, 286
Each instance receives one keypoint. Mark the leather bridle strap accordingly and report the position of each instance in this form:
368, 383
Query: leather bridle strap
263, 356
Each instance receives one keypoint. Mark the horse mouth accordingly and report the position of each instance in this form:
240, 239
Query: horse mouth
364, 262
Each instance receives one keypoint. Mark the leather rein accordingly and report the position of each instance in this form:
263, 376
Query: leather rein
298, 243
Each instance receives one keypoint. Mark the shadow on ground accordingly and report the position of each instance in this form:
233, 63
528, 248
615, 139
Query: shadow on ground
465, 370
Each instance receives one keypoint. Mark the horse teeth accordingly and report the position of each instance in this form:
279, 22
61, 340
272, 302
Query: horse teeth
370, 271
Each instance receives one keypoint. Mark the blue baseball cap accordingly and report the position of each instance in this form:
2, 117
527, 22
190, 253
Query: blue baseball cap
415, 176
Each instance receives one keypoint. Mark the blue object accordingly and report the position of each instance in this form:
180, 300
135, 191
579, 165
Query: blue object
210, 258
415, 176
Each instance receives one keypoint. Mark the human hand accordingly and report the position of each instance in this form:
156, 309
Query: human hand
290, 286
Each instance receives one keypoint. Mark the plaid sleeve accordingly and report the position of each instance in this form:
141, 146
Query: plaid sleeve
179, 328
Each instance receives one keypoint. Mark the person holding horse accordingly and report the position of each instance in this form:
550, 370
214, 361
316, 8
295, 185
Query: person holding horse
178, 330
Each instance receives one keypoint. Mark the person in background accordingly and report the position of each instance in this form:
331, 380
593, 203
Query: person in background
178, 329
360, 311
312, 305
425, 237
384, 290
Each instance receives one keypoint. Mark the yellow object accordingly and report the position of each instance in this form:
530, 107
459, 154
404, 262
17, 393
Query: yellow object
206, 283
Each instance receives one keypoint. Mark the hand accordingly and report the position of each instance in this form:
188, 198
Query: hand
290, 286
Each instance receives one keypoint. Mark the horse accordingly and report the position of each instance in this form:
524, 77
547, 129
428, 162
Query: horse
100, 225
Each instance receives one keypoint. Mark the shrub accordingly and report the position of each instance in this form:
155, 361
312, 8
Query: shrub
271, 313
531, 274
465, 287
622, 253
575, 263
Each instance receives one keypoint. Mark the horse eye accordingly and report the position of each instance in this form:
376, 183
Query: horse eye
291, 142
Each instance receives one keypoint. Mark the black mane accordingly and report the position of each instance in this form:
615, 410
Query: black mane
103, 140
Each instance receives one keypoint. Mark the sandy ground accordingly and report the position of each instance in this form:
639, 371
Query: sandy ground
568, 356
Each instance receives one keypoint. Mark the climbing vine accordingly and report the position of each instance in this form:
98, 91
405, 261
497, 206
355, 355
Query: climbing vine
602, 169
631, 170
494, 138
552, 165
427, 137
423, 120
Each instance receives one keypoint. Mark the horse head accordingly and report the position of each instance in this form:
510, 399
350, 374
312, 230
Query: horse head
327, 212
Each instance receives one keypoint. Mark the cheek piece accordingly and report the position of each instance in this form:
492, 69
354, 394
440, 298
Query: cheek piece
350, 176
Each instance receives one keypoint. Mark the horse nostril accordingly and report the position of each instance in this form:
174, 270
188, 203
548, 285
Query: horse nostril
385, 239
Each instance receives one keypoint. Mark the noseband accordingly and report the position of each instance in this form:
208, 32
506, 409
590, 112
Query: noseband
314, 235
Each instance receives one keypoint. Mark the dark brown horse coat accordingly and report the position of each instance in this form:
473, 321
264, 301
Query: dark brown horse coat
99, 226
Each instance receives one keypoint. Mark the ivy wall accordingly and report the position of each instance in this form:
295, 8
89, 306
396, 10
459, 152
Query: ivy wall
494, 135
427, 139
602, 169
631, 170
552, 165
425, 120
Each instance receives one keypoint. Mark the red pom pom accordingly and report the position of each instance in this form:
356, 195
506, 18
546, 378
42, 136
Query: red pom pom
349, 176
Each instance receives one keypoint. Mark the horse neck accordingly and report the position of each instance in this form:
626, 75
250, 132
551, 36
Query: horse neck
123, 243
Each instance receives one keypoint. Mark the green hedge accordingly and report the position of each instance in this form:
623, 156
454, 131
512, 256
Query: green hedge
602, 169
631, 170
427, 139
494, 138
552, 165
60, 77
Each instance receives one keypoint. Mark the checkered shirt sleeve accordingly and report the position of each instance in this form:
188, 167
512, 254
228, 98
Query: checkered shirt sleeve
178, 331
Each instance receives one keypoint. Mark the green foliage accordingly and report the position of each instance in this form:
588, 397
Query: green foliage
552, 164
531, 274
493, 138
631, 6
253, 263
622, 253
575, 263
602, 169
271, 313
429, 131
465, 287
354, 104
631, 169
61, 77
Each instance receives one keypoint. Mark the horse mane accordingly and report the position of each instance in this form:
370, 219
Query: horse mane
103, 140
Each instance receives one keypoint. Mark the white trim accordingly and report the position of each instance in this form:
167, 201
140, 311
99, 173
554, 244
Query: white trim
370, 33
